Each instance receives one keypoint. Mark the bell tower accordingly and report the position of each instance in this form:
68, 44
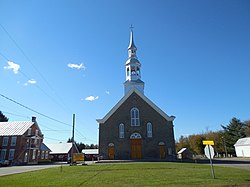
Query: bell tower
133, 69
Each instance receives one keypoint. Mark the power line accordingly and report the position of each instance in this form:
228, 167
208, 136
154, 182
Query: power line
27, 77
53, 119
29, 60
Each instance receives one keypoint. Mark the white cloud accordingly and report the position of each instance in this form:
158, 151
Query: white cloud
13, 66
107, 92
91, 98
77, 66
31, 81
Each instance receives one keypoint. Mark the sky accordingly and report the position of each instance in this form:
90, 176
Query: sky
59, 58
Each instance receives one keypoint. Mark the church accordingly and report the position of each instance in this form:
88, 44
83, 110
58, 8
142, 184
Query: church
135, 128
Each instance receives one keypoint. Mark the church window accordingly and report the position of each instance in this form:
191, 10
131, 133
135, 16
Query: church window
135, 120
149, 130
121, 130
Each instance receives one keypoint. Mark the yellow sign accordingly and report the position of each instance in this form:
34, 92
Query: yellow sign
208, 142
78, 157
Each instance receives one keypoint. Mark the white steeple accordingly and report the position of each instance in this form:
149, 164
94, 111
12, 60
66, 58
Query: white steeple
133, 74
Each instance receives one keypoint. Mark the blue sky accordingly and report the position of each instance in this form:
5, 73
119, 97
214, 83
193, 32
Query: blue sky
65, 57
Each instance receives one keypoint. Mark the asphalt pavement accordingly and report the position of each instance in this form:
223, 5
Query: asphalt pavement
9, 170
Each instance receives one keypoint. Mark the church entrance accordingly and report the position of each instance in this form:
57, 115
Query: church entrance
136, 146
162, 150
111, 151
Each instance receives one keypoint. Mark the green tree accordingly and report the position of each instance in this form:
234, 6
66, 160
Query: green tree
247, 128
3, 118
232, 132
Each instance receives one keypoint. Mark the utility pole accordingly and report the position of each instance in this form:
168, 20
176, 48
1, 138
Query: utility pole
73, 141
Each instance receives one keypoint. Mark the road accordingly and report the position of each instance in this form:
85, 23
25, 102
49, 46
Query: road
240, 163
21, 169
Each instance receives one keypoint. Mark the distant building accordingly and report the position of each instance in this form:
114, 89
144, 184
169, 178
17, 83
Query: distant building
135, 128
242, 147
20, 142
61, 151
184, 153
43, 154
90, 154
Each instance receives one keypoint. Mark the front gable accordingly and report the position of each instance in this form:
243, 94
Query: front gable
131, 98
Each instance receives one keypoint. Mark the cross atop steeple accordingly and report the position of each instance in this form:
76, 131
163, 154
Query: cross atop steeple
131, 27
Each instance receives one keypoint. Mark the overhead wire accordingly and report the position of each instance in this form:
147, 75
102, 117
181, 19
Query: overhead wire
44, 115
44, 79
36, 69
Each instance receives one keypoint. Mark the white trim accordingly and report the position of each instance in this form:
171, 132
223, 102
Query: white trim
135, 117
111, 145
112, 111
135, 135
13, 141
161, 143
121, 130
149, 130
11, 154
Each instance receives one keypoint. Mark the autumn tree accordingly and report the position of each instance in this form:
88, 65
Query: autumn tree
196, 144
181, 143
217, 137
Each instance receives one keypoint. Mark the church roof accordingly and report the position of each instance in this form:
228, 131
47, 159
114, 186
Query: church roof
133, 61
134, 90
131, 42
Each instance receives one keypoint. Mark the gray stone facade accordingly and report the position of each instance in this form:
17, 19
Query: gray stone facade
162, 131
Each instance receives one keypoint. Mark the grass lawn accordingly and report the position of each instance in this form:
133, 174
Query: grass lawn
130, 174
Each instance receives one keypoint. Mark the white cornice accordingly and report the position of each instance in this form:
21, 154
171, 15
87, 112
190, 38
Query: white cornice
112, 111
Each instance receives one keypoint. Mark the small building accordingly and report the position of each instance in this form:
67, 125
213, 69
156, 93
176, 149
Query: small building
61, 152
242, 147
185, 153
90, 154
20, 142
43, 154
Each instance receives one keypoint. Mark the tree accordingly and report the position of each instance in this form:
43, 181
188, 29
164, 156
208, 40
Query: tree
182, 143
196, 144
247, 128
217, 137
232, 132
3, 118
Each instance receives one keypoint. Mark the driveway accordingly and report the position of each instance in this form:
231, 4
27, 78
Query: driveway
21, 169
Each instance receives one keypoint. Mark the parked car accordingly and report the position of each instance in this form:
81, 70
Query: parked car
4, 163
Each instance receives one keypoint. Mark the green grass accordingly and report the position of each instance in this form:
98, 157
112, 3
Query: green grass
132, 174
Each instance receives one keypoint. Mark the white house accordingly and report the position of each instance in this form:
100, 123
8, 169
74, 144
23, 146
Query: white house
242, 147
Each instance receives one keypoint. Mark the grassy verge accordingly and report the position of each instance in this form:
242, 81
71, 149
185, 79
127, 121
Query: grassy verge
133, 174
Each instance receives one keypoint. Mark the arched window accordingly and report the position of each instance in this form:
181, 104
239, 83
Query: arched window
149, 130
121, 130
135, 120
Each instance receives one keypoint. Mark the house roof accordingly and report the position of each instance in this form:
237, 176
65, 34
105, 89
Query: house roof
60, 148
243, 142
182, 150
134, 90
90, 151
14, 128
44, 148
